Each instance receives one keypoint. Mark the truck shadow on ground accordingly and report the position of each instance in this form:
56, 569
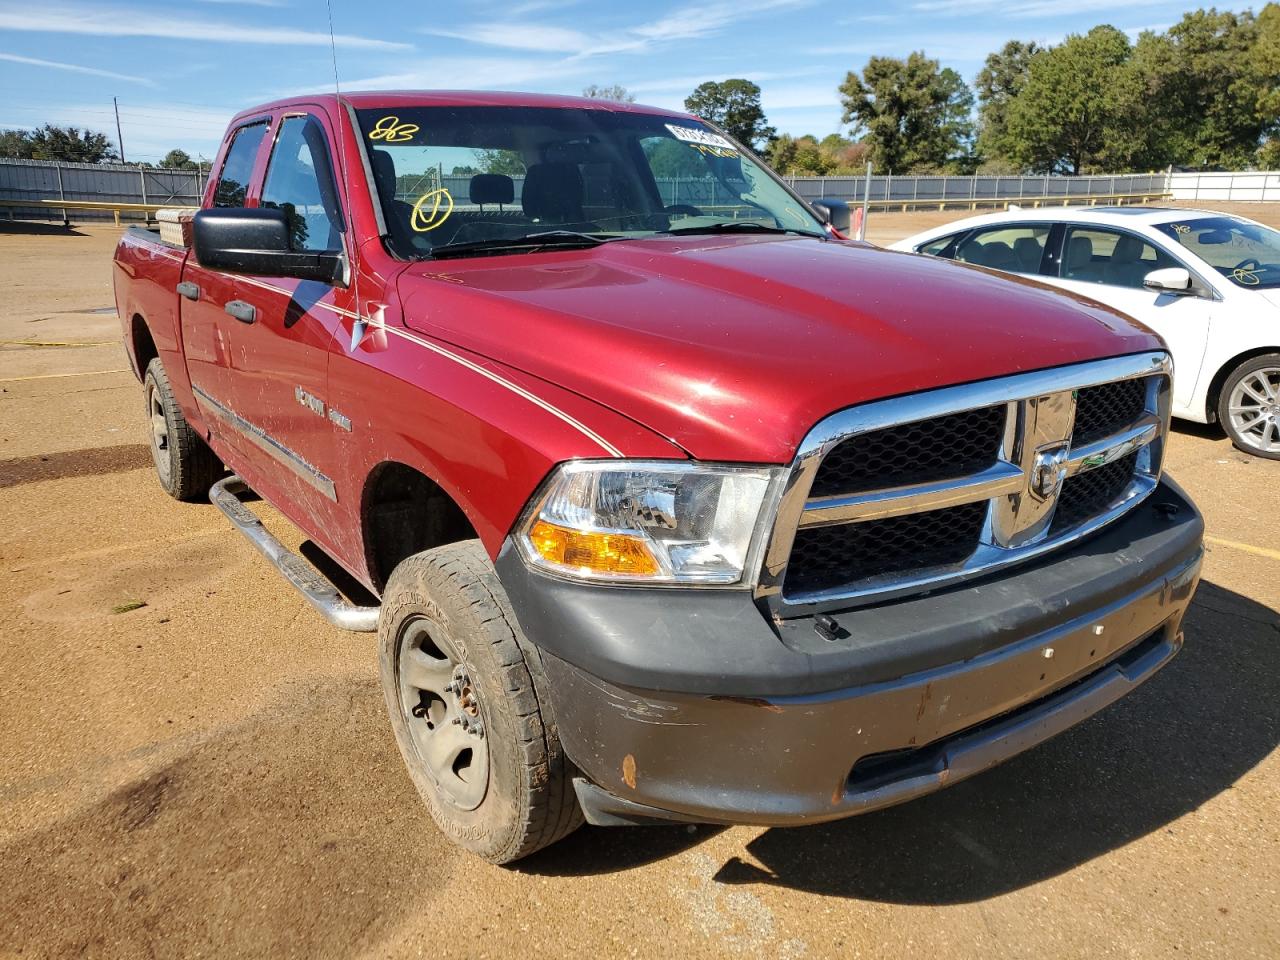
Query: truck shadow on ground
1184, 737
39, 228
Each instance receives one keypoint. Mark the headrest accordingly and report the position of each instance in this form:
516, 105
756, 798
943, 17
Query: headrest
1079, 252
553, 192
492, 188
384, 172
1128, 249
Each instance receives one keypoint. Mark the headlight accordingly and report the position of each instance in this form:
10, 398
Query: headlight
651, 522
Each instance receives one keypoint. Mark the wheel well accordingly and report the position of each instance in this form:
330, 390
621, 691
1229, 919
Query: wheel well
406, 512
1220, 378
144, 347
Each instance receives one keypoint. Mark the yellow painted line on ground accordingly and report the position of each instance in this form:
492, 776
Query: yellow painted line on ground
54, 376
1246, 547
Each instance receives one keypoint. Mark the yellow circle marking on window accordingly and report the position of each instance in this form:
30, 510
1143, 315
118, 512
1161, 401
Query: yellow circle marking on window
431, 210
392, 130
1249, 278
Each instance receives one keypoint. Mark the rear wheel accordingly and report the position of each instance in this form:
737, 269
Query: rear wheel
185, 466
468, 704
1249, 406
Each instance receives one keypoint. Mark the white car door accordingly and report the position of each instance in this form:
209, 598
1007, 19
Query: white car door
1109, 265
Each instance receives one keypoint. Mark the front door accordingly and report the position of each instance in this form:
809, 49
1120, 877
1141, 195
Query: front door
1109, 265
286, 328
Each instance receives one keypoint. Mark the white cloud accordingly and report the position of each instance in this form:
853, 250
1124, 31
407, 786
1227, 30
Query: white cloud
75, 68
476, 73
1027, 8
524, 36
114, 21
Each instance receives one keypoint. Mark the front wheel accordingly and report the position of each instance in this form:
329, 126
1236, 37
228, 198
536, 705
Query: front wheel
1249, 406
468, 704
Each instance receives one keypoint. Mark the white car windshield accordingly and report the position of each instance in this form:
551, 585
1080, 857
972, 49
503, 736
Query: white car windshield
1245, 253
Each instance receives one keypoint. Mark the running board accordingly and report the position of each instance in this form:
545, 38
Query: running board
305, 578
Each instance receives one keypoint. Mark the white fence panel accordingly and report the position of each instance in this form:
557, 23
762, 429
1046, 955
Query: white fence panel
1261, 186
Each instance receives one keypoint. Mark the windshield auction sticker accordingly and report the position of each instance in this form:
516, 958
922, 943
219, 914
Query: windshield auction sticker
700, 138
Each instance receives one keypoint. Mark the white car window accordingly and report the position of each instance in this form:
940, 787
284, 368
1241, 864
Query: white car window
1018, 248
1117, 259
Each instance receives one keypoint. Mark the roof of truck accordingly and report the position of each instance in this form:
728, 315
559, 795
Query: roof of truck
460, 98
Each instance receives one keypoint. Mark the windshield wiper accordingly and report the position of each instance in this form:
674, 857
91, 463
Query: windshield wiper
741, 226
529, 243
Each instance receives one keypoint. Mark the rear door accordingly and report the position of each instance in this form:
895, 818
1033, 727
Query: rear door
1109, 265
287, 327
203, 294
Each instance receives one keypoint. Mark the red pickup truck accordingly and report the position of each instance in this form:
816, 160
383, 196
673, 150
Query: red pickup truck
677, 505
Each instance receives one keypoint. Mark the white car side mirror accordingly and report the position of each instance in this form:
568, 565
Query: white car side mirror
1168, 280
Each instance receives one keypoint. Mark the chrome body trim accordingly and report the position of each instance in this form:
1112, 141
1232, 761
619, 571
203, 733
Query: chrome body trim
269, 445
306, 579
1018, 527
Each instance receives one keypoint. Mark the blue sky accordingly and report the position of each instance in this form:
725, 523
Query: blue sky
181, 69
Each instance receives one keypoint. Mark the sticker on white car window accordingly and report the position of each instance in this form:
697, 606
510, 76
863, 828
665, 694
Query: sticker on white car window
700, 138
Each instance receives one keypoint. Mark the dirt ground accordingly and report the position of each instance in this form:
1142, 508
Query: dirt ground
212, 773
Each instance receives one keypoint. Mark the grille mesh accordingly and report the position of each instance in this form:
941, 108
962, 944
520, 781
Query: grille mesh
943, 448
1107, 409
1090, 493
826, 557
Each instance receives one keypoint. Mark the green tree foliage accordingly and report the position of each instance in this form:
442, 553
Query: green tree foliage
912, 114
615, 91
735, 106
69, 144
1001, 79
506, 162
1078, 111
807, 156
177, 160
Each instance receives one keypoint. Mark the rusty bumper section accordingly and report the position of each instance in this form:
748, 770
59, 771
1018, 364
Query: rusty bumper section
648, 753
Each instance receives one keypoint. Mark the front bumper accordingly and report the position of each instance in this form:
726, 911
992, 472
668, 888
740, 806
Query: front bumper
689, 705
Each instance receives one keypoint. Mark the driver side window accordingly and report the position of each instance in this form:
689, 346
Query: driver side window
1110, 257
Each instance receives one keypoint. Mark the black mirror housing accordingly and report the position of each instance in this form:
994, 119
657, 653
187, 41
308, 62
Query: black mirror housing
834, 212
255, 240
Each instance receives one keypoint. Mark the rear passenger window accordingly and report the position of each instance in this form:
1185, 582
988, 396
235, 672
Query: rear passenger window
300, 182
1017, 249
237, 168
1111, 257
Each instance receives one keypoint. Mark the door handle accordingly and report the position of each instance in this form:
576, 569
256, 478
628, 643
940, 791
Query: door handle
244, 312
189, 290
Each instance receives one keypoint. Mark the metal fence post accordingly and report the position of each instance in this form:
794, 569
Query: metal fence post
66, 221
142, 179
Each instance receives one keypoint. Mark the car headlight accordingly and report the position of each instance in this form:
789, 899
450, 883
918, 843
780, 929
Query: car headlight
649, 522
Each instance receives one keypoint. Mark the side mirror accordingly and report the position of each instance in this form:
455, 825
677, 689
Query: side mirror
256, 241
834, 212
1175, 280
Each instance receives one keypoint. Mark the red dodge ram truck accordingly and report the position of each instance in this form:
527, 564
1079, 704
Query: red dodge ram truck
677, 505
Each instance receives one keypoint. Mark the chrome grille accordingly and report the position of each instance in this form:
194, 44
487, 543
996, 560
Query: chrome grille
884, 499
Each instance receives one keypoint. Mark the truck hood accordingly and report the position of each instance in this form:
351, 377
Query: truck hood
733, 347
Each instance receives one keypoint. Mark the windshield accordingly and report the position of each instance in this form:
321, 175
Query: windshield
482, 175
1245, 253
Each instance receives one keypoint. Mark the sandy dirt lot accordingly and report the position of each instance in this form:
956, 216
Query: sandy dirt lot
212, 773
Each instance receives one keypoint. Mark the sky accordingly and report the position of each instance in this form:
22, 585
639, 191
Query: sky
181, 69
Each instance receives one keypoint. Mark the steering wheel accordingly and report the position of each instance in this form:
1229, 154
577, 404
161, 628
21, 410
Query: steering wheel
684, 208
1249, 264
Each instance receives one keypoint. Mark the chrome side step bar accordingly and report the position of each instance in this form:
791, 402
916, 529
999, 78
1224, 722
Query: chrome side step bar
305, 578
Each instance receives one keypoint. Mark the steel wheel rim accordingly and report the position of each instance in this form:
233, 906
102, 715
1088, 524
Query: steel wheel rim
1254, 409
441, 707
159, 431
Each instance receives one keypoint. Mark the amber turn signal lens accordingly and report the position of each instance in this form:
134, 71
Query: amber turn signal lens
598, 552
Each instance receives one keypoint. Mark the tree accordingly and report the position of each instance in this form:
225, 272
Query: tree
1000, 80
15, 144
912, 114
735, 106
177, 160
806, 156
1078, 110
614, 91
70, 144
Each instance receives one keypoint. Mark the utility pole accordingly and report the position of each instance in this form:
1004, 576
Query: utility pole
119, 135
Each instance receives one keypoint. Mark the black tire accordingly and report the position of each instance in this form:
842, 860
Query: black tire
185, 466
1256, 431
448, 602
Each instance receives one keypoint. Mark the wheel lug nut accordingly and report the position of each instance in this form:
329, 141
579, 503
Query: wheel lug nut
455, 720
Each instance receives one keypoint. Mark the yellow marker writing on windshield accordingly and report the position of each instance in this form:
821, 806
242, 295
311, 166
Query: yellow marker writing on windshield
391, 130
431, 210
1247, 277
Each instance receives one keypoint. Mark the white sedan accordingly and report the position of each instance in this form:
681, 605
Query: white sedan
1208, 283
